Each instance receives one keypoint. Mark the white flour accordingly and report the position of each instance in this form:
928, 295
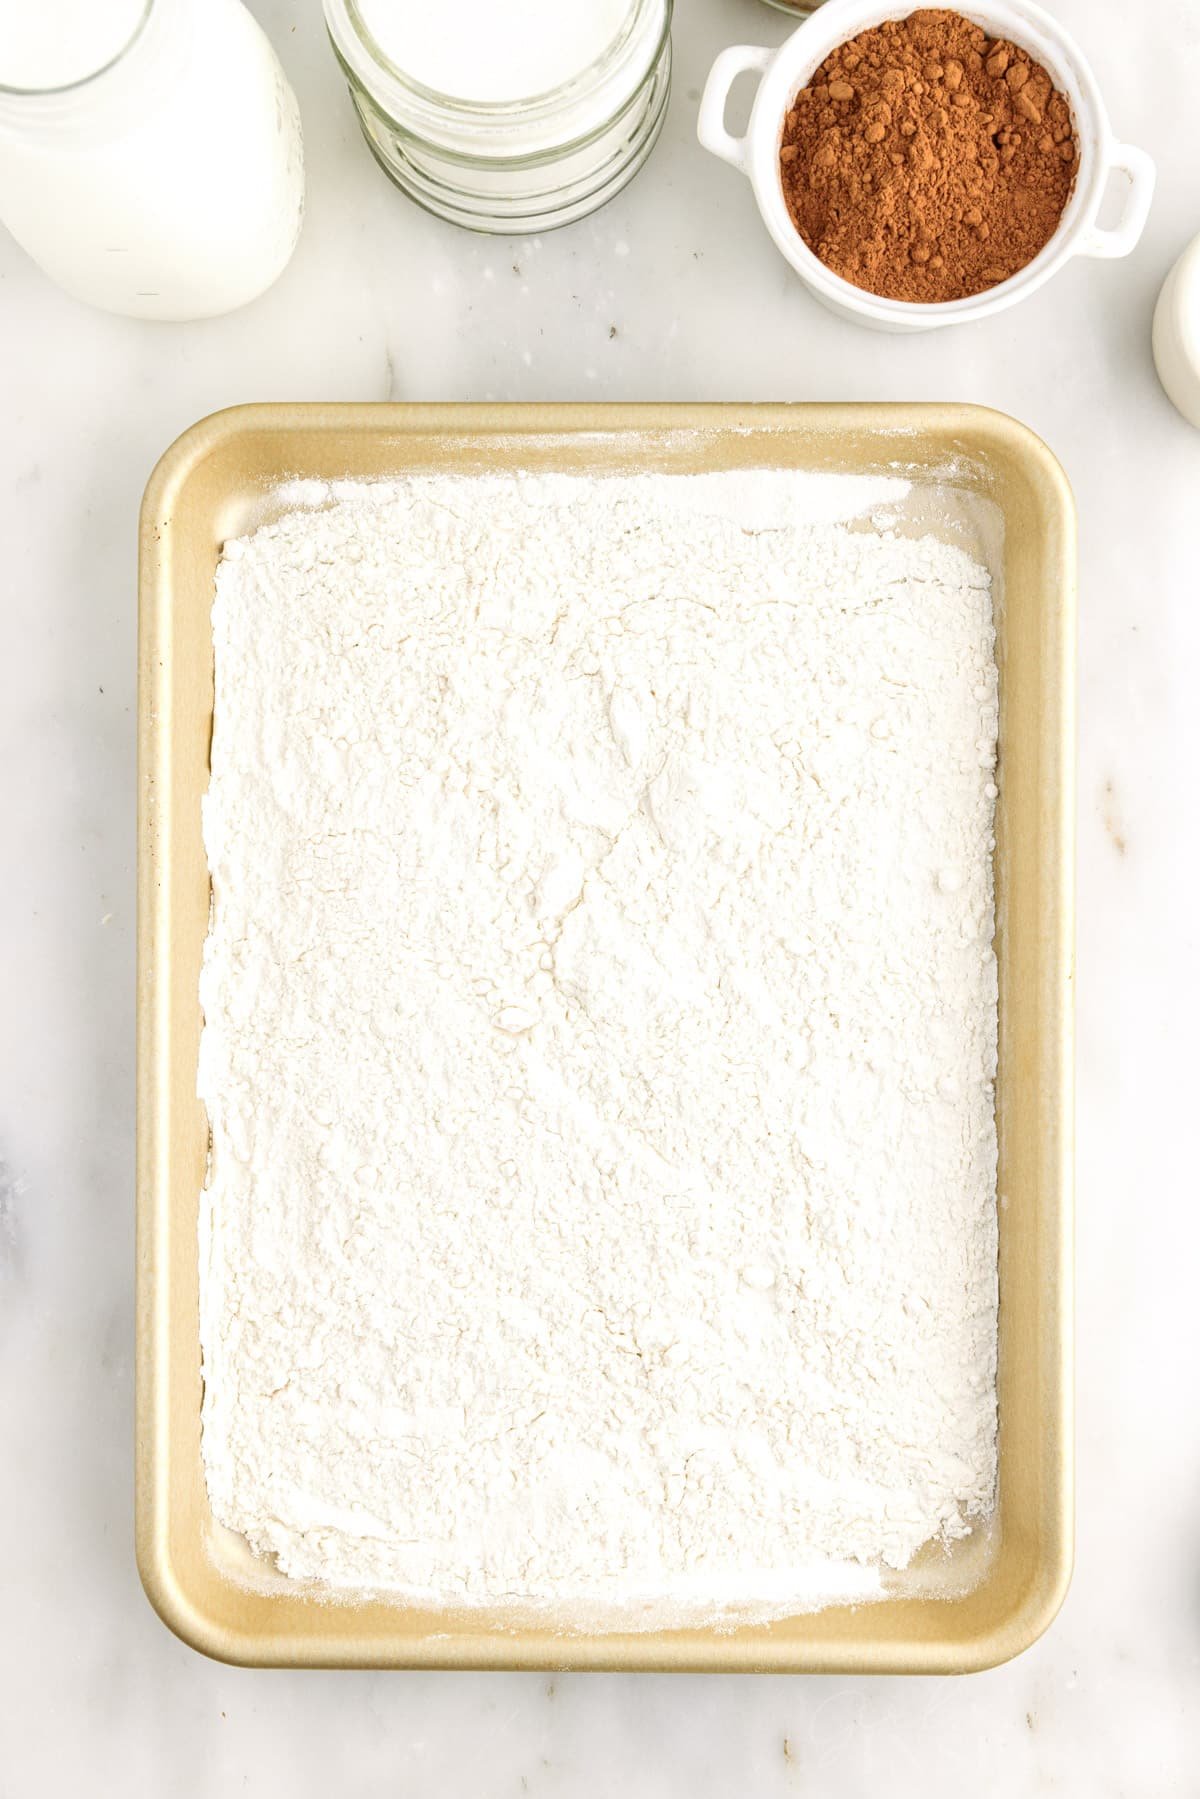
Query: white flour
600, 1042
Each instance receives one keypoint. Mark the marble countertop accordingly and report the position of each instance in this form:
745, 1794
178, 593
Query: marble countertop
673, 292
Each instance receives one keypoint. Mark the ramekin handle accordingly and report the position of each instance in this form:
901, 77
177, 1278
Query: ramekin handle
1119, 239
739, 59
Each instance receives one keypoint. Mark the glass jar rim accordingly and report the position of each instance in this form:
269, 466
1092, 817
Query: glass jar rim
365, 60
9, 91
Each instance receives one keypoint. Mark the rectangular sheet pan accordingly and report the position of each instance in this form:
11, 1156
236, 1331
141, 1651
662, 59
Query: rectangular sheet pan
217, 481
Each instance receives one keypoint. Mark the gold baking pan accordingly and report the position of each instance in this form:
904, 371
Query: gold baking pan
994, 1593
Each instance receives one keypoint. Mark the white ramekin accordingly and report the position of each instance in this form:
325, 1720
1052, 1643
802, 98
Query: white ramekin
785, 70
1176, 334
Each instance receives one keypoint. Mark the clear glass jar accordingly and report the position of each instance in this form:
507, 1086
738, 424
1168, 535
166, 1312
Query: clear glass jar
516, 165
165, 183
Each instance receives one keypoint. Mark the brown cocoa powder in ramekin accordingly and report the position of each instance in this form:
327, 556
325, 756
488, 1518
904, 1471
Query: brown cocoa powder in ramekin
926, 161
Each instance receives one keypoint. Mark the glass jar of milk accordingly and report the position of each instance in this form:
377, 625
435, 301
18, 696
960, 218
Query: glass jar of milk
150, 154
507, 115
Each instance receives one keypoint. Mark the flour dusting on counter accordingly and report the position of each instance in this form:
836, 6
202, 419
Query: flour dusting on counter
600, 1037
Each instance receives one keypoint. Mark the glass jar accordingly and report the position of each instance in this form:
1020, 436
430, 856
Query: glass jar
513, 165
161, 176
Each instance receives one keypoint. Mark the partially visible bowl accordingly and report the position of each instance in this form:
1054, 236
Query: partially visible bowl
1176, 334
784, 71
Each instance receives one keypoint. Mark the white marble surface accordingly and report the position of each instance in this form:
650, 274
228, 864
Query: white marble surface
382, 302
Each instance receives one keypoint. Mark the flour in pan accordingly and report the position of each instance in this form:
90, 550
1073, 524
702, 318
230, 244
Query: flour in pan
600, 1041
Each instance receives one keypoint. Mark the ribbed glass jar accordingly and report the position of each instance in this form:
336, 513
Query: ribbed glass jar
517, 165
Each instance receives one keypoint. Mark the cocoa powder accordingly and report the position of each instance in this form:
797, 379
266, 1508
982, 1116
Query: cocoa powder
927, 161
